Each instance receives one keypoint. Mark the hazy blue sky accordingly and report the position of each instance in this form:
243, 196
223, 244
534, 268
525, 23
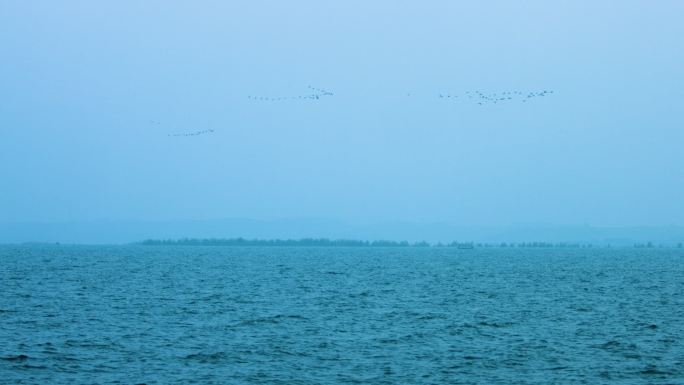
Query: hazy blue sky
82, 81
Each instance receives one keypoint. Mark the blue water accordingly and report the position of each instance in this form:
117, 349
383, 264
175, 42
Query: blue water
134, 314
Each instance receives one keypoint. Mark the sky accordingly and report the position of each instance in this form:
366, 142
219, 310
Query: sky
92, 91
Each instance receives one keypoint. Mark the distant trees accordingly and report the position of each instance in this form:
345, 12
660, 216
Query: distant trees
320, 242
325, 242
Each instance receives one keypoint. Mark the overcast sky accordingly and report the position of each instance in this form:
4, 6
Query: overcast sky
91, 90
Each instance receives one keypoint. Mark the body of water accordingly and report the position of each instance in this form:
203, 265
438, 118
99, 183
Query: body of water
258, 315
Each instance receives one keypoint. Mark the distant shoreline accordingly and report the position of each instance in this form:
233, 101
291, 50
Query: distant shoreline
325, 242
350, 243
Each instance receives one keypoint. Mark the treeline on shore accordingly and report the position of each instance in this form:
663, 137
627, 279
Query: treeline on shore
325, 242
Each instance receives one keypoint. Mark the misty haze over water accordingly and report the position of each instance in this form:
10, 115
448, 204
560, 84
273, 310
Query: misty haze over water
477, 115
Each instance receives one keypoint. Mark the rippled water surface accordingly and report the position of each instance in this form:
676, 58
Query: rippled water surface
135, 314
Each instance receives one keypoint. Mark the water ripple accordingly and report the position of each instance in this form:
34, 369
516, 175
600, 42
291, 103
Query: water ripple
337, 316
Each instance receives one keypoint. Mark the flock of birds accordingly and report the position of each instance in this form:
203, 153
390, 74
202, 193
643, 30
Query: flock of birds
190, 133
316, 94
194, 133
481, 98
